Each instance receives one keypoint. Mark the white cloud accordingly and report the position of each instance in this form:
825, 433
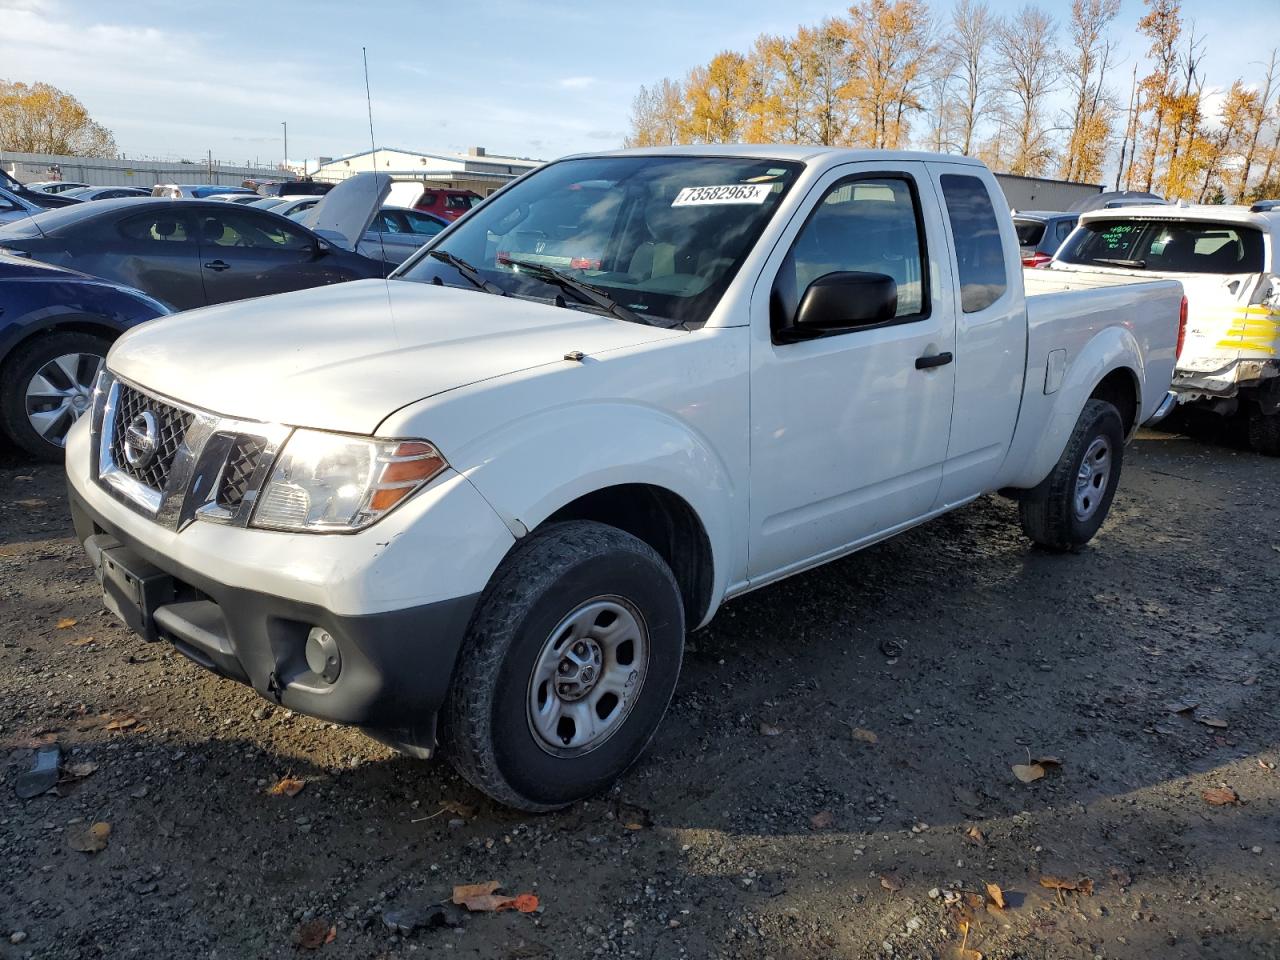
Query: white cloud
576, 83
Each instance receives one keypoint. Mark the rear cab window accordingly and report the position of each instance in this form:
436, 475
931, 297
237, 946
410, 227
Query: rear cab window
976, 234
1167, 246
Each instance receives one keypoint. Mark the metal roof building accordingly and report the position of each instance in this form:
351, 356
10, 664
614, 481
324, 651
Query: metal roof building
475, 170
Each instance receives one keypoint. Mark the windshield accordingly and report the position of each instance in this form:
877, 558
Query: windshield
1029, 232
1166, 246
661, 236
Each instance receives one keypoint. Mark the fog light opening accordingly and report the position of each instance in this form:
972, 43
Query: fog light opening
323, 658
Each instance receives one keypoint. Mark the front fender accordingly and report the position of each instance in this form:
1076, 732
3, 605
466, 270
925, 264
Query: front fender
1046, 420
533, 465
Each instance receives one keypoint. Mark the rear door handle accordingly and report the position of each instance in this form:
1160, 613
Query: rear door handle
220, 265
937, 360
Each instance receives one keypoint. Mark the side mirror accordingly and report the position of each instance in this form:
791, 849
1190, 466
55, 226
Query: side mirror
846, 300
320, 249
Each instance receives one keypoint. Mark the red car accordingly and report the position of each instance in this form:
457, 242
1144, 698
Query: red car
449, 204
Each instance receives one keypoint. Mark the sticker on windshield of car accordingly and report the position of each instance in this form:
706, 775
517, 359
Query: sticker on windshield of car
729, 193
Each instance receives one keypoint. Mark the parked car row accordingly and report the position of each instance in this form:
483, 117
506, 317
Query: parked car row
126, 260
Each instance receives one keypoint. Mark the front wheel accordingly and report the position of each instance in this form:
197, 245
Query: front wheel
1068, 507
567, 668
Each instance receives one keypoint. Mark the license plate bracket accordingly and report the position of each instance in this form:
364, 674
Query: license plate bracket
133, 589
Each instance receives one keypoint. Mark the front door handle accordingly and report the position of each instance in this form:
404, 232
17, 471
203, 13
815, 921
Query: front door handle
217, 265
937, 360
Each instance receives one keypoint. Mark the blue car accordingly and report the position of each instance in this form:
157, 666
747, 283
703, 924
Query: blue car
56, 326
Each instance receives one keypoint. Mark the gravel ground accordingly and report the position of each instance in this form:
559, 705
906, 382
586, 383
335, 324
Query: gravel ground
834, 778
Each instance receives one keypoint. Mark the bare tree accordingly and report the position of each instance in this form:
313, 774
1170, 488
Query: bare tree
1258, 118
968, 52
1027, 61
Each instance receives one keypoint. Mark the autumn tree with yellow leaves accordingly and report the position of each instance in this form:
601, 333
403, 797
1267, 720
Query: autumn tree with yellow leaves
39, 118
1025, 94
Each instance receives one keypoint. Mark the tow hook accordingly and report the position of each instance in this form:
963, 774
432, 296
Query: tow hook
275, 688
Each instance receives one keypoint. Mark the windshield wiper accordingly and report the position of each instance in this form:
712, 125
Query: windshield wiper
467, 271
586, 292
1135, 264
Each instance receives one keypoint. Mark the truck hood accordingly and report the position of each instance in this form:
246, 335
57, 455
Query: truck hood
344, 357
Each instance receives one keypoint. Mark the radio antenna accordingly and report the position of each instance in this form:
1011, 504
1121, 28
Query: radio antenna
373, 158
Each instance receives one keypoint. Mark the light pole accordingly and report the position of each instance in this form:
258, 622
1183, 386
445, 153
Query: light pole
285, 126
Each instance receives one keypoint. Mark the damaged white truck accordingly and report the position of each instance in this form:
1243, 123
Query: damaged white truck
1228, 262
476, 507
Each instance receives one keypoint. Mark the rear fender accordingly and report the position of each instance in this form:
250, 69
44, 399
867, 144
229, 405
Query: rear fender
1047, 420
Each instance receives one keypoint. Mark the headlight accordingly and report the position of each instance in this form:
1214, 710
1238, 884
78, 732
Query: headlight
331, 482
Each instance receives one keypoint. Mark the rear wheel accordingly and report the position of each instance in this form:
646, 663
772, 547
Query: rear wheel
1066, 510
48, 386
1264, 432
567, 669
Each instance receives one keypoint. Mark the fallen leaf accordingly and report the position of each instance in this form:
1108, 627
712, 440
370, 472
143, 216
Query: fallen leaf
465, 891
1182, 706
1221, 796
286, 787
524, 903
122, 723
865, 735
996, 895
974, 901
81, 641
465, 810
1028, 772
78, 771
964, 953
92, 839
66, 622
488, 903
977, 836
1048, 761
314, 934
1082, 885
769, 730
890, 882
1216, 722
822, 820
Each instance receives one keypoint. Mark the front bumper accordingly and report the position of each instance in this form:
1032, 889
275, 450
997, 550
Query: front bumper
394, 666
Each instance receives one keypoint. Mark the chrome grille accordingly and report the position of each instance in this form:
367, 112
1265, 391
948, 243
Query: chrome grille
173, 425
243, 459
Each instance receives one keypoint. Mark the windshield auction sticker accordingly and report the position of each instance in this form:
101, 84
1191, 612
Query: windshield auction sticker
730, 193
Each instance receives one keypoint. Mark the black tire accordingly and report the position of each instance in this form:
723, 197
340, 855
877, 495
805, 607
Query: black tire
1264, 432
21, 366
486, 729
1049, 513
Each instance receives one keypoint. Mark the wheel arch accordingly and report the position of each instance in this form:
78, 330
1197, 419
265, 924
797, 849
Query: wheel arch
666, 522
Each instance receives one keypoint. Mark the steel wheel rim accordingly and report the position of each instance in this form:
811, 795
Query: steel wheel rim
60, 393
587, 676
1092, 478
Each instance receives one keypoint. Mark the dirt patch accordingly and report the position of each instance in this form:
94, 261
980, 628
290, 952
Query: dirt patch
899, 688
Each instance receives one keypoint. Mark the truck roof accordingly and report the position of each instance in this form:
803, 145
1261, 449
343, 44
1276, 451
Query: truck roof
1213, 212
802, 153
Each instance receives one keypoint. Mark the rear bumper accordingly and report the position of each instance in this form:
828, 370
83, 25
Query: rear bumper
1166, 407
393, 667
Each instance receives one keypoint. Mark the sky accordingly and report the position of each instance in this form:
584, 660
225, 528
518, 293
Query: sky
536, 79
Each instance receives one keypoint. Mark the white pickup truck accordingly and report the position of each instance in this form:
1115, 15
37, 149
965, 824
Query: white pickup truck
1228, 262
477, 506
